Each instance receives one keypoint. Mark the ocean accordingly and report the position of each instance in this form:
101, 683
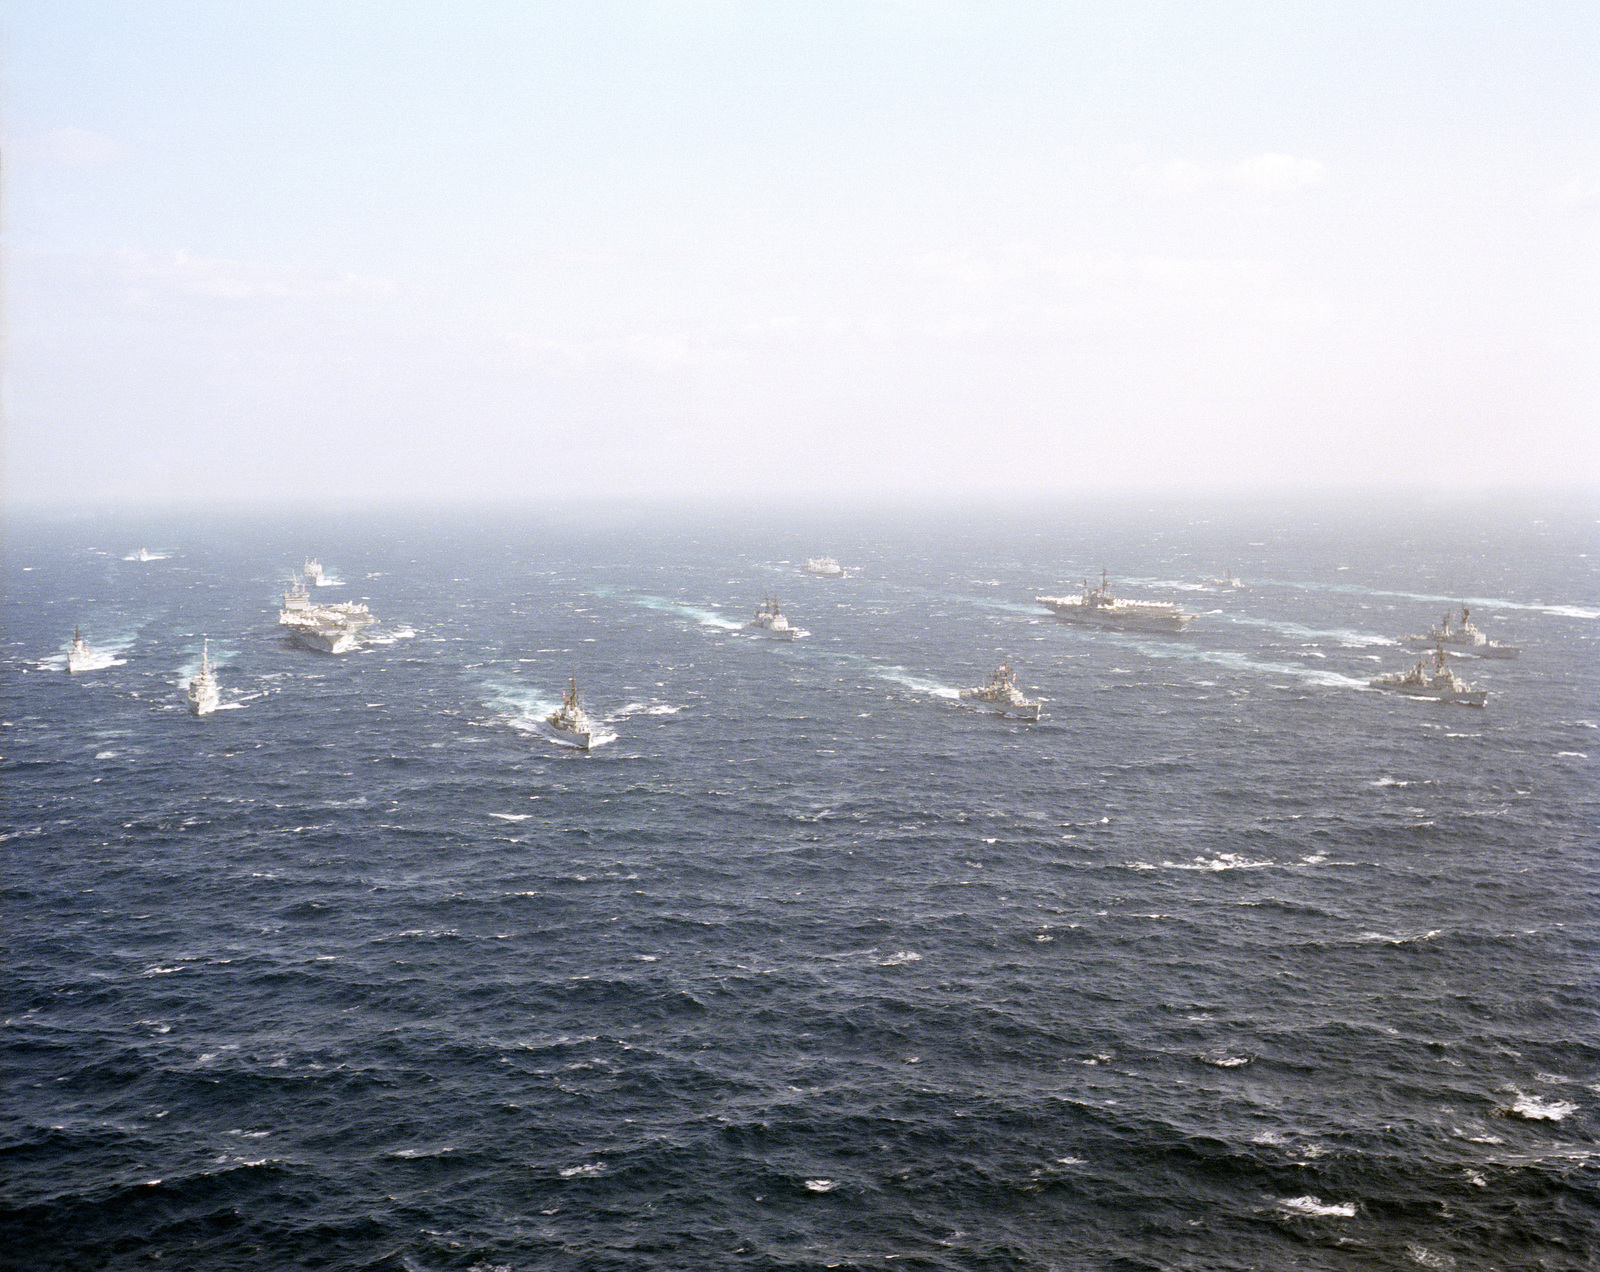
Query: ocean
1228, 962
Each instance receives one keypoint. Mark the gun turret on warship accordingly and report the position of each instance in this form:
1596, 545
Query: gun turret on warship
1099, 607
1441, 683
1002, 695
1464, 634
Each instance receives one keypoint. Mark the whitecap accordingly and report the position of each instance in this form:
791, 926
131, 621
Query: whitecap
1315, 1206
587, 1171
512, 817
899, 957
1536, 1110
821, 1185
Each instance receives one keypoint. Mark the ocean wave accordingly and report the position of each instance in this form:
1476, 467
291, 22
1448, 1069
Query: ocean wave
1532, 1109
1317, 1207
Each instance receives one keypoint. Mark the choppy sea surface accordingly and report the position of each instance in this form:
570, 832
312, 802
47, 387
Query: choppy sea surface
1229, 962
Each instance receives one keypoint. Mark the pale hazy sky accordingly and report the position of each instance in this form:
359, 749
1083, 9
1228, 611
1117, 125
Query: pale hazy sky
811, 246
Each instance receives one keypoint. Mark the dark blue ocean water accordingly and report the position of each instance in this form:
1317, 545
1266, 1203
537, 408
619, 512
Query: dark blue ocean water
1228, 963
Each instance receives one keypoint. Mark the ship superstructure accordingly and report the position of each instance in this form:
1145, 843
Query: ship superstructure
1463, 634
1001, 694
1099, 607
1439, 683
203, 693
770, 621
570, 722
313, 572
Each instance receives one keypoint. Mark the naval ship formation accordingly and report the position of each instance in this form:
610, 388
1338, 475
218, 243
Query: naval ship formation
1099, 607
338, 627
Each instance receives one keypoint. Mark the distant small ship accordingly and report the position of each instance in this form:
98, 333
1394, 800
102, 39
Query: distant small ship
570, 721
1002, 694
823, 565
1229, 580
146, 555
1464, 634
203, 693
314, 574
80, 655
1441, 684
1099, 607
769, 621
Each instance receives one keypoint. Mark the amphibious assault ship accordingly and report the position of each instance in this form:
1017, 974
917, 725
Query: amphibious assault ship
329, 629
1099, 607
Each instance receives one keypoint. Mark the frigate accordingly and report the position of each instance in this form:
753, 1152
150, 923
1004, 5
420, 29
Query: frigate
1002, 695
1439, 683
769, 621
203, 688
1463, 634
80, 655
570, 722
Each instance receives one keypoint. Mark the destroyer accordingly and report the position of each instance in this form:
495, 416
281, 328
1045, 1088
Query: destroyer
769, 621
1099, 607
80, 656
571, 722
1441, 684
1464, 634
203, 688
1002, 694
823, 565
330, 629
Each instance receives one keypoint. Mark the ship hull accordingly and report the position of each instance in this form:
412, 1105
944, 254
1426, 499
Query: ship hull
325, 642
769, 633
1459, 697
203, 704
1029, 713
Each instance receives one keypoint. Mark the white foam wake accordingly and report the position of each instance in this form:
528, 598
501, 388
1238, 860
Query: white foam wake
1343, 635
